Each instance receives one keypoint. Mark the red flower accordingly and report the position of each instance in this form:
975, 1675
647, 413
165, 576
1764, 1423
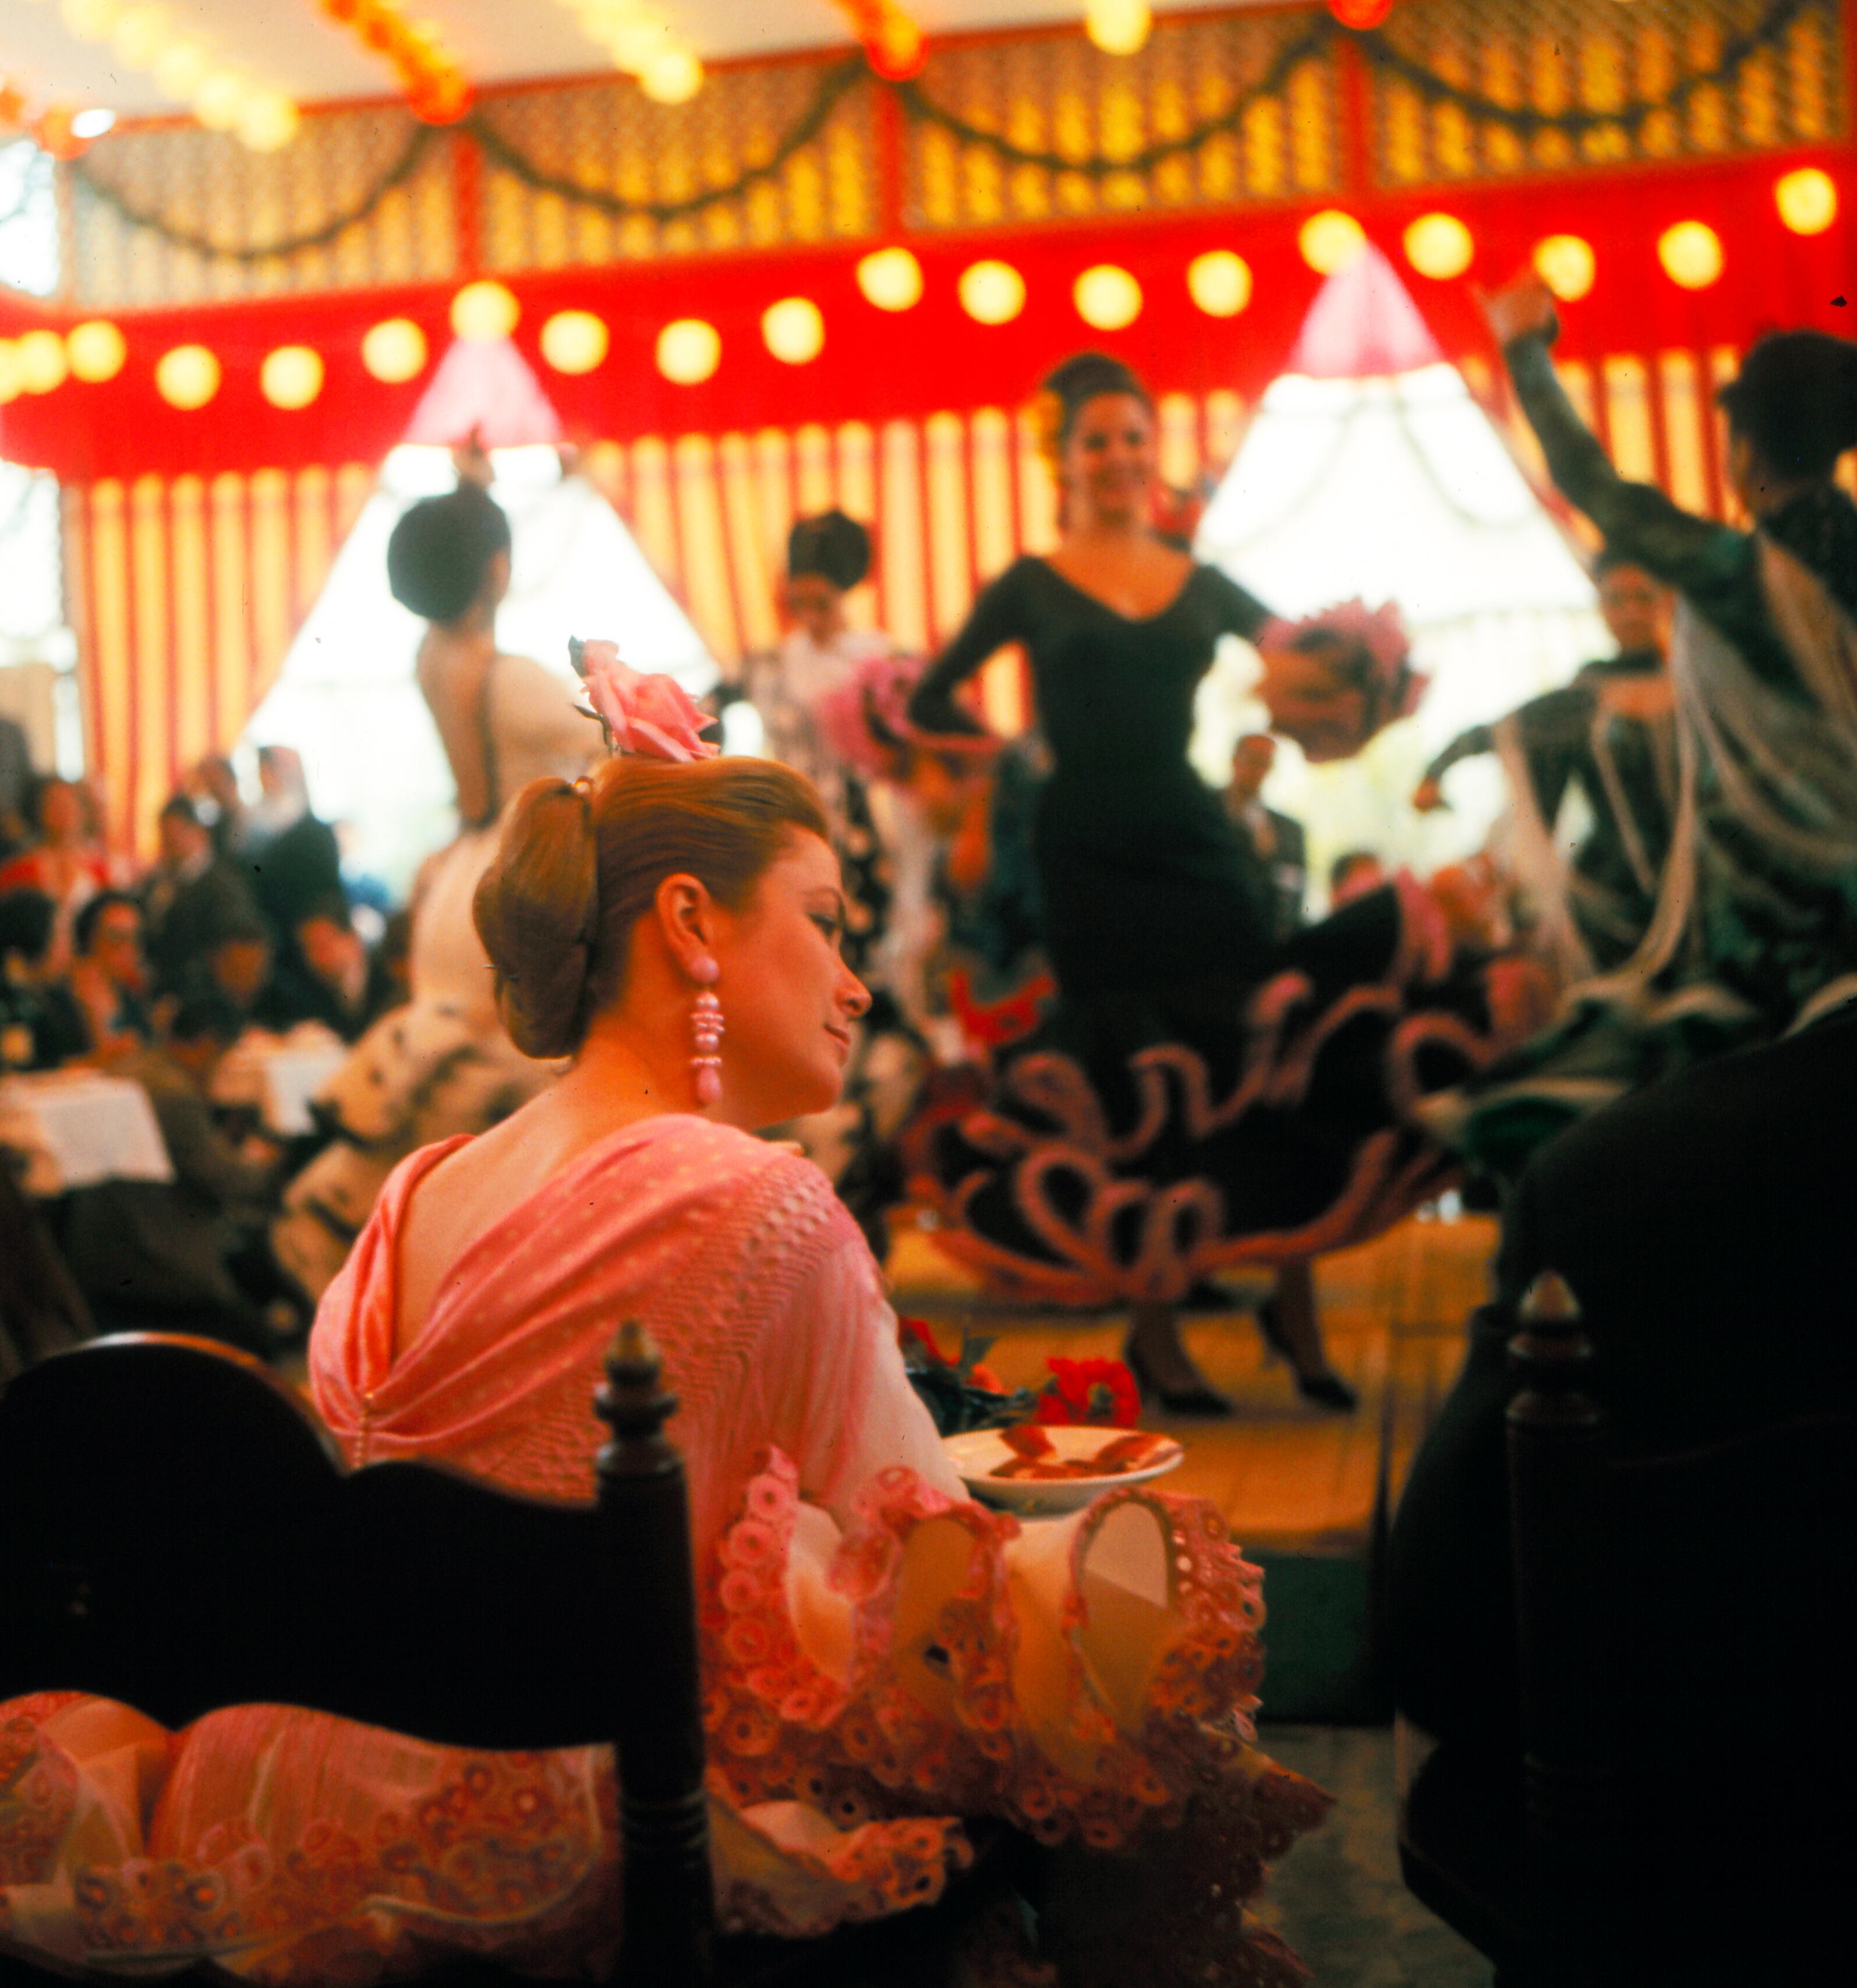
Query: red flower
1090, 1391
916, 1329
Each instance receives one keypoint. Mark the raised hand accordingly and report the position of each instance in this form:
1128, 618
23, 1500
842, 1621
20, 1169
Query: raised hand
1525, 306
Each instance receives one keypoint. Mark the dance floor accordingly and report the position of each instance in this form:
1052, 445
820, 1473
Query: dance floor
1307, 1492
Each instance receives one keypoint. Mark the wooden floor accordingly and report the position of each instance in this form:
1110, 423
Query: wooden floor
1290, 1478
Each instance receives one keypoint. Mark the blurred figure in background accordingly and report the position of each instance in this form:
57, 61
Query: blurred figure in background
61, 860
156, 1255
1610, 735
338, 982
41, 1025
213, 788
292, 857
1275, 843
109, 976
15, 783
193, 898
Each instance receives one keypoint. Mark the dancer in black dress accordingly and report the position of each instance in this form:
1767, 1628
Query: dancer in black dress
1202, 1096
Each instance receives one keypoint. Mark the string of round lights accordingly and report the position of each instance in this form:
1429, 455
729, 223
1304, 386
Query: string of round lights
437, 91
643, 44
187, 66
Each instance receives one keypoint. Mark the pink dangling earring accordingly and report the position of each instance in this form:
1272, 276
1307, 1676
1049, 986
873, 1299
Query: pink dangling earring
706, 1031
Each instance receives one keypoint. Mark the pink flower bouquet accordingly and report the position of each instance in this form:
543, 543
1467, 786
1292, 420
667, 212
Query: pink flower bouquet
1335, 680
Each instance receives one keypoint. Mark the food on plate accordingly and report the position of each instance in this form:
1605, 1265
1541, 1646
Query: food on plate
1035, 1457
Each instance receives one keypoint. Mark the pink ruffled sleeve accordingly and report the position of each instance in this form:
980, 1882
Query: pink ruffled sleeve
841, 1405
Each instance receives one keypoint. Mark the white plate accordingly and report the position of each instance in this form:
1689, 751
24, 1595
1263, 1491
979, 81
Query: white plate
977, 1455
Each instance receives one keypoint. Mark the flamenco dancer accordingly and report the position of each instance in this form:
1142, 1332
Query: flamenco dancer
882, 1658
1754, 934
443, 1063
1201, 1096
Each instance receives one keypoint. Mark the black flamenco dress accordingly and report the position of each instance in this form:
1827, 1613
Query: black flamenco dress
1200, 1095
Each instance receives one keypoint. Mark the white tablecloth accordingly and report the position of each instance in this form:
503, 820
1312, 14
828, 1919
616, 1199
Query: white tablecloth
277, 1076
77, 1127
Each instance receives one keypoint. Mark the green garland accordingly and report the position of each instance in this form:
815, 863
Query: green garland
838, 80
1735, 56
921, 106
834, 83
402, 169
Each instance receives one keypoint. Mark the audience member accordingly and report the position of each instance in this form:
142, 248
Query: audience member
41, 1024
1272, 843
292, 857
213, 788
63, 861
109, 976
156, 1255
238, 971
338, 982
192, 899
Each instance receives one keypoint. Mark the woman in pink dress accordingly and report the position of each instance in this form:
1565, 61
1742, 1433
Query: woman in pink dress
882, 1658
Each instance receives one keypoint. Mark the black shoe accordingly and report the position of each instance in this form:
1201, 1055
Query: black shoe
1327, 1388
1330, 1391
1200, 1399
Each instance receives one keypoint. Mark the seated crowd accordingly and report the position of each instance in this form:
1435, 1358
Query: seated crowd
241, 929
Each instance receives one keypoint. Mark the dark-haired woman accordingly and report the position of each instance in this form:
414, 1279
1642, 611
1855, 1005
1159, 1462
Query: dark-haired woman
1201, 1097
442, 1064
882, 1657
1755, 930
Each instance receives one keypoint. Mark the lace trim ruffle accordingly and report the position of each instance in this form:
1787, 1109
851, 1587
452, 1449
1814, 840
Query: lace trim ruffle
940, 1722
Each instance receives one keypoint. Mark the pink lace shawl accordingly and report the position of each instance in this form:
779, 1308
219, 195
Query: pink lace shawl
737, 1257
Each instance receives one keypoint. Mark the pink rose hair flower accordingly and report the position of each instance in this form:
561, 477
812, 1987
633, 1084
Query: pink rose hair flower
653, 716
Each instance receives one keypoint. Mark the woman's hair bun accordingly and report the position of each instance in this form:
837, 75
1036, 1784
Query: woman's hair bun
1795, 400
537, 910
437, 554
1080, 379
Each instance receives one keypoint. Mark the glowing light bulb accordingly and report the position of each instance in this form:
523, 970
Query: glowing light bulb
1219, 282
794, 330
1330, 240
393, 350
39, 363
180, 68
186, 377
1438, 245
672, 75
140, 34
1117, 27
484, 311
96, 350
1807, 199
890, 278
291, 376
1566, 263
689, 351
1107, 297
1691, 254
574, 341
268, 120
991, 292
88, 124
219, 100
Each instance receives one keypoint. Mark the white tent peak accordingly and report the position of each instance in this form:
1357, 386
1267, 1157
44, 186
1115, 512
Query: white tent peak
486, 384
1363, 324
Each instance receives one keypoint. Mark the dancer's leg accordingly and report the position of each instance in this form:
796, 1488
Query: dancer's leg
1290, 1322
1162, 1367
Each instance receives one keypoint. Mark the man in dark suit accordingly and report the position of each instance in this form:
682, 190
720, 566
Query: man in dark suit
193, 900
1274, 841
290, 855
1705, 1224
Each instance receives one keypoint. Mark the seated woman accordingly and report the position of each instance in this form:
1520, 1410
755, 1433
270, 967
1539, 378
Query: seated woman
882, 1658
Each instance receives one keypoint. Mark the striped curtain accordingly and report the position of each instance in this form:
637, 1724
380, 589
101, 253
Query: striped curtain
186, 594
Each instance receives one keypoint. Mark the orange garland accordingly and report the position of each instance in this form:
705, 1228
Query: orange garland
892, 41
437, 90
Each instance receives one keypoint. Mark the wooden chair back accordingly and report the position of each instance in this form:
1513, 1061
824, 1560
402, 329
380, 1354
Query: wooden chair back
177, 1531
